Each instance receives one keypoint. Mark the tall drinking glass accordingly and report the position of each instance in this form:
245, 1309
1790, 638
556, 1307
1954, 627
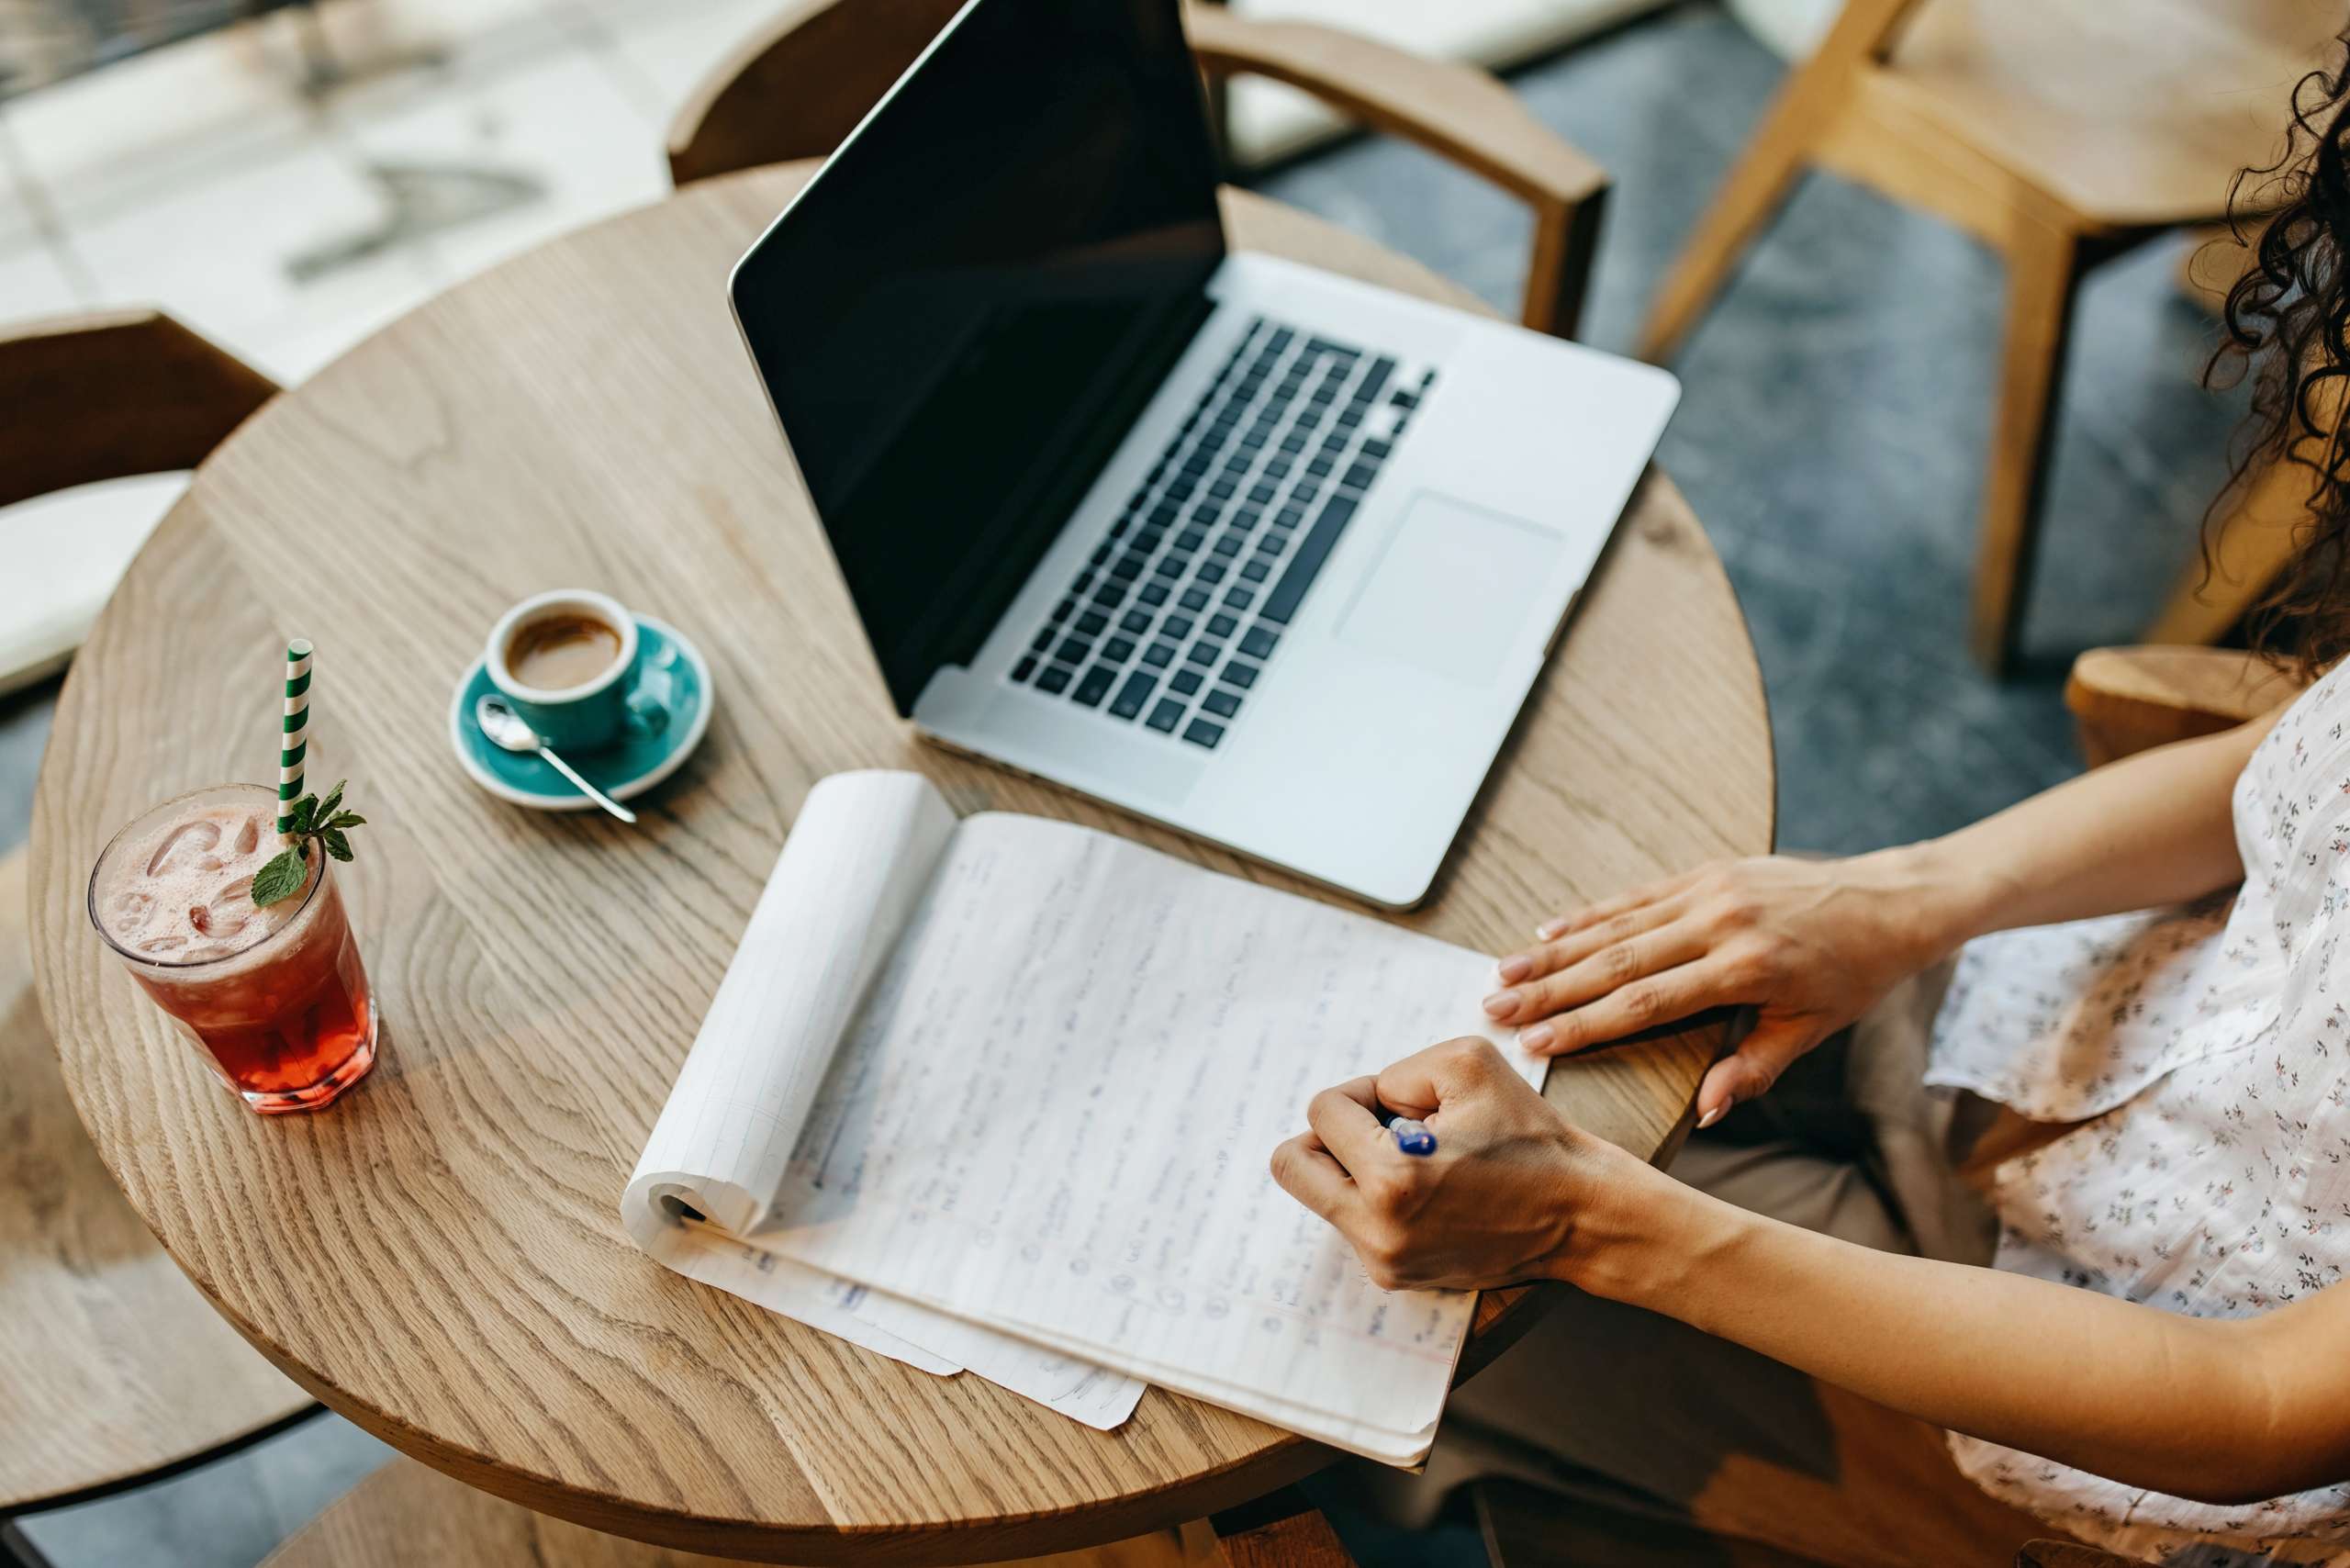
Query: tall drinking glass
276, 997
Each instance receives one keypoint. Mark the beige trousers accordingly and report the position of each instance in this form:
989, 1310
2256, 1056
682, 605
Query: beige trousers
1640, 1411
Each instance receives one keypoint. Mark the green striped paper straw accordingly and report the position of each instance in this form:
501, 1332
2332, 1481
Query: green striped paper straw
295, 738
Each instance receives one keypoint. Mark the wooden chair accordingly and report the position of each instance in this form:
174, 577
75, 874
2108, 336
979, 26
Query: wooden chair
106, 395
2058, 132
407, 1516
2127, 699
796, 89
113, 1370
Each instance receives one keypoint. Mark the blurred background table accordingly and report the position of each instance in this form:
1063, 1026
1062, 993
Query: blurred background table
439, 1257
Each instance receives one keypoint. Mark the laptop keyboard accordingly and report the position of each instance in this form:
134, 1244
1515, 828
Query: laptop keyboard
1171, 621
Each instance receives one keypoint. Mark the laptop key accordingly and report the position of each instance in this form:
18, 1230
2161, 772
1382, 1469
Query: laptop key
1212, 573
1228, 544
1043, 639
1153, 593
1179, 626
1204, 652
1055, 680
1091, 624
1117, 650
1074, 651
1159, 655
1200, 731
1313, 549
1381, 369
1222, 625
1025, 668
1163, 717
1064, 610
1091, 691
1240, 597
1222, 704
1112, 596
1134, 621
1183, 680
1239, 675
1255, 571
1259, 642
1360, 475
1133, 695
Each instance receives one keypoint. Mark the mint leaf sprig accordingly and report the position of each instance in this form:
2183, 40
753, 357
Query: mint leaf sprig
323, 821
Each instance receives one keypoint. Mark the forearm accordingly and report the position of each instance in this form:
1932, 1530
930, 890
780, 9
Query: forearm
2152, 829
2150, 1398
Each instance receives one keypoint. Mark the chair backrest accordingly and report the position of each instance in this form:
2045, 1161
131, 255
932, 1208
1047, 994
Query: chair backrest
110, 395
796, 88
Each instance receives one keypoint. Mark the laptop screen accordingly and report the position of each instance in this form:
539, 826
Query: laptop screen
960, 317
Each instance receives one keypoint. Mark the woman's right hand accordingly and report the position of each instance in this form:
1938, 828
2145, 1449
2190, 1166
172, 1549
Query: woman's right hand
1811, 945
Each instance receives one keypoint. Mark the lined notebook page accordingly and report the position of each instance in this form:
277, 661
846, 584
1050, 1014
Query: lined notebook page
858, 859
1055, 1113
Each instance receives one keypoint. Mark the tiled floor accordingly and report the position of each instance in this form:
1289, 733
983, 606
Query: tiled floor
1831, 434
202, 177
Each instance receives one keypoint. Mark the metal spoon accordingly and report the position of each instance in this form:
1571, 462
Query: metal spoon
507, 730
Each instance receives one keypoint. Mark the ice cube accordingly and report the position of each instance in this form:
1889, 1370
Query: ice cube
193, 837
129, 910
248, 836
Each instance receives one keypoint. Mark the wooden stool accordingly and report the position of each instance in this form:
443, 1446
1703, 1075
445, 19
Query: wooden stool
798, 88
2058, 132
113, 1370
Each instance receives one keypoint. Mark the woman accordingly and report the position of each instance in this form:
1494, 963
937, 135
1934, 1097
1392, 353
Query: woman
2144, 1050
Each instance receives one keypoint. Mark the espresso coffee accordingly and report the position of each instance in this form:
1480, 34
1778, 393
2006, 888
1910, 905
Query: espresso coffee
560, 651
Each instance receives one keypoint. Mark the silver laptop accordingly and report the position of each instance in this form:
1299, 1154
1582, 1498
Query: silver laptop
1248, 548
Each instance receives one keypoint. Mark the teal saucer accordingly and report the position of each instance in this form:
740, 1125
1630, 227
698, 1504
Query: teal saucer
669, 703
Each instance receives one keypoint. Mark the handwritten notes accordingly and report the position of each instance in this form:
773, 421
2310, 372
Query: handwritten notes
1001, 1095
1055, 1112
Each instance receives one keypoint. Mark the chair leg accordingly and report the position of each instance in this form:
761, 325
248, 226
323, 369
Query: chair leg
1559, 274
2043, 276
2250, 549
1757, 184
17, 1551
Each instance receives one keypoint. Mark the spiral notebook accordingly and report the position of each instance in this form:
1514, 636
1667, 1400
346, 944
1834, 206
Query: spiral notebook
998, 1096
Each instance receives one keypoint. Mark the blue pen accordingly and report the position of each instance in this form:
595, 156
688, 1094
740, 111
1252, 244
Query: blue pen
1411, 1137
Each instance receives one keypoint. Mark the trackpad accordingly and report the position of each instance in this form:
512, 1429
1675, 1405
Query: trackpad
1453, 589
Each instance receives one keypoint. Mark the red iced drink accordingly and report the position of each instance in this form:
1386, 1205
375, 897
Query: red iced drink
276, 995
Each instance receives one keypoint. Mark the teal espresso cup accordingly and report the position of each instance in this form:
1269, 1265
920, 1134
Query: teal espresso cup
566, 661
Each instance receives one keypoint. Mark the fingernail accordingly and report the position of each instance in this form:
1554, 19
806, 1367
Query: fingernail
1537, 1037
1549, 929
1516, 967
1710, 1117
1502, 1004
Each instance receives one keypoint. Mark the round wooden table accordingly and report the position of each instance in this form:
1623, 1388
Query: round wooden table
439, 1257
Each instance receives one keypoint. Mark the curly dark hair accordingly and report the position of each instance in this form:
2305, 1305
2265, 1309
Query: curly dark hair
2289, 321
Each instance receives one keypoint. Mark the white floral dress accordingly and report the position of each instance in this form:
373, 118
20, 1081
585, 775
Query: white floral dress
2207, 1049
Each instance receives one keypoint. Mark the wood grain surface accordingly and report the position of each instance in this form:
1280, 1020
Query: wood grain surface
439, 1257
111, 1367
